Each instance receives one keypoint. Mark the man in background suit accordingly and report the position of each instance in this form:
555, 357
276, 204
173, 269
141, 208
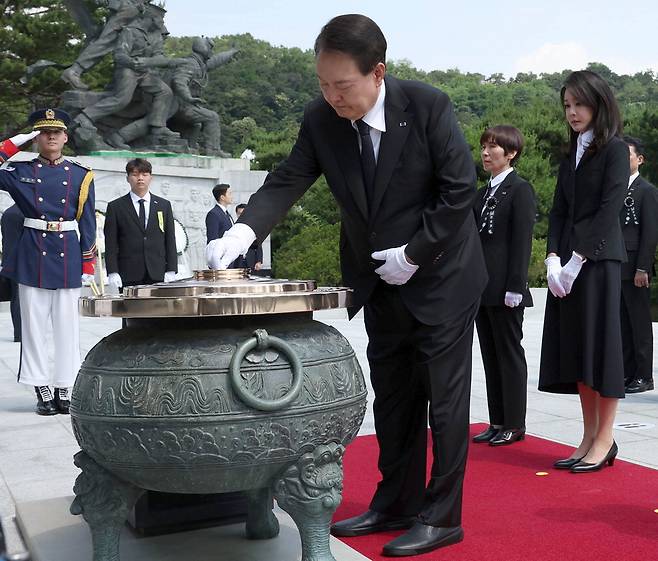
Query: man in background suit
403, 176
140, 242
253, 259
219, 219
12, 228
639, 218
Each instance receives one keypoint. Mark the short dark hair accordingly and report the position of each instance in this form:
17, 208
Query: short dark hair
594, 92
355, 35
637, 144
509, 138
219, 190
139, 164
241, 206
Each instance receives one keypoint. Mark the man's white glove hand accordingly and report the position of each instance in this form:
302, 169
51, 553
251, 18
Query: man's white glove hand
553, 269
396, 270
513, 299
170, 276
113, 279
236, 241
570, 271
86, 279
21, 139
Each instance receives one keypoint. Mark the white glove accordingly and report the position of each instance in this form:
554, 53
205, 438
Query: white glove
553, 269
21, 139
570, 271
114, 279
170, 276
396, 270
86, 279
513, 299
220, 253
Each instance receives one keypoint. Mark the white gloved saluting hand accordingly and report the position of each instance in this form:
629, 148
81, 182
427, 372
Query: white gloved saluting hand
397, 269
553, 268
220, 253
21, 139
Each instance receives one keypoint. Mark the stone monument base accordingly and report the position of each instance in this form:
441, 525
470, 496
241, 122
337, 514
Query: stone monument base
51, 533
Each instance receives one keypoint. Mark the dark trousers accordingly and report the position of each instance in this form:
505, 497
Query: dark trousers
636, 333
15, 309
413, 365
500, 330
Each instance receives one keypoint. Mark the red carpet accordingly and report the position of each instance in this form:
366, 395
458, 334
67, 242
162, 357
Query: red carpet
511, 514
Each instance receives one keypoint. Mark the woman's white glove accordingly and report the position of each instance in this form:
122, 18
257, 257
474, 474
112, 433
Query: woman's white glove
220, 253
553, 269
570, 271
513, 299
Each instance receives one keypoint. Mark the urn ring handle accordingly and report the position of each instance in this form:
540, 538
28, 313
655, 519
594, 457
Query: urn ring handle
263, 340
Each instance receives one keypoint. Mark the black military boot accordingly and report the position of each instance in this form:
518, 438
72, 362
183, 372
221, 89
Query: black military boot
62, 400
45, 402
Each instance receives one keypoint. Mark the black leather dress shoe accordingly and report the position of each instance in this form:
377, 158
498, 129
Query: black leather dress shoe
370, 522
421, 539
62, 400
45, 402
567, 463
639, 385
487, 435
507, 436
586, 467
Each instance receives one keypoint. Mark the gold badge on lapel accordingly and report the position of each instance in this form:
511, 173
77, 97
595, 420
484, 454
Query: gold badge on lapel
161, 220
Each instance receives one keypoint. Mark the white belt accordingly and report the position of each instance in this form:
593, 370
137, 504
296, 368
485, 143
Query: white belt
50, 226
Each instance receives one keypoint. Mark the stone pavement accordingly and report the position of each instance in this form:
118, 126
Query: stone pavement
36, 452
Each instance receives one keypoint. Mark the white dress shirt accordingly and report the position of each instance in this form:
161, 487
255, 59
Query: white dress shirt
147, 205
375, 118
584, 140
633, 178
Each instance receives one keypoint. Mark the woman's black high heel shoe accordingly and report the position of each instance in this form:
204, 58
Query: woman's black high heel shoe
567, 463
585, 467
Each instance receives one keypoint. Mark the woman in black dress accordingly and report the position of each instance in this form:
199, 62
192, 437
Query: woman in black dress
581, 345
505, 213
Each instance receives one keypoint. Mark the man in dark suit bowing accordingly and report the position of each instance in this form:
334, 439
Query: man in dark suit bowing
639, 218
140, 243
402, 174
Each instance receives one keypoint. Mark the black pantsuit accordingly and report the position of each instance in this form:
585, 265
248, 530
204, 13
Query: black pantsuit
500, 330
639, 225
410, 364
12, 229
506, 225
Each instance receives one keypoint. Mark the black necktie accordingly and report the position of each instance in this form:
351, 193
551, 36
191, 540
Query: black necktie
142, 213
368, 164
229, 216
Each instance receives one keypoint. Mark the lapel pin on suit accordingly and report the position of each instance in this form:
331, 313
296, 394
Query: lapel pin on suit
403, 123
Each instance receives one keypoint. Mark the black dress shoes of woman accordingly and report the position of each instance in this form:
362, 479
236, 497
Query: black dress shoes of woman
507, 436
586, 467
487, 435
567, 463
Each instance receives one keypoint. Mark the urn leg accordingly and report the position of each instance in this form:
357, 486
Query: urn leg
261, 522
310, 491
104, 502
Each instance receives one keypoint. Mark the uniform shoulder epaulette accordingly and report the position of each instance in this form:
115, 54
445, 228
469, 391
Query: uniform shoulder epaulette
78, 164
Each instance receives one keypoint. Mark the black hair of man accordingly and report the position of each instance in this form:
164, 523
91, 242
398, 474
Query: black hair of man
219, 190
139, 165
357, 36
240, 207
593, 91
637, 144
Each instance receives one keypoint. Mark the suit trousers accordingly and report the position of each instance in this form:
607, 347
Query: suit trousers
59, 307
15, 309
413, 365
500, 330
636, 332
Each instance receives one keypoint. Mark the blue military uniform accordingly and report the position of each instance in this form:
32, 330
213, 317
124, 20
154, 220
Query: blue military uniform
56, 247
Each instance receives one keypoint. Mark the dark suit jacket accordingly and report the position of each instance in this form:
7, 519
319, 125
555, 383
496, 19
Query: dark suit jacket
640, 239
12, 229
133, 252
586, 204
507, 249
217, 222
423, 197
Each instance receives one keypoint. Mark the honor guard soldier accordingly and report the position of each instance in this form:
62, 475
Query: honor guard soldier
51, 261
